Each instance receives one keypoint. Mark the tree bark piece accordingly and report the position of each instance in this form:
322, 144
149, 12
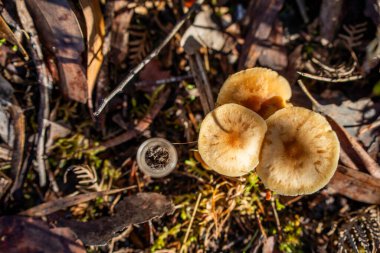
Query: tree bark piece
329, 16
355, 185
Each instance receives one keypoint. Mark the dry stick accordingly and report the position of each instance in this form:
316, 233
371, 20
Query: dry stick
262, 230
45, 81
307, 93
147, 59
206, 83
199, 83
58, 204
331, 80
278, 224
191, 222
302, 8
173, 79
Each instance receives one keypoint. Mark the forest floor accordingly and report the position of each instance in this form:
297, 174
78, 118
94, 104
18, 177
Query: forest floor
69, 178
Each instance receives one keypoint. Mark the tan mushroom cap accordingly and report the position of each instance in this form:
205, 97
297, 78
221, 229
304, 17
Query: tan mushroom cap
300, 152
252, 87
230, 139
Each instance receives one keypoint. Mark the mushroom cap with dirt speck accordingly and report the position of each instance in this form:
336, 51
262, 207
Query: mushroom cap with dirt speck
252, 87
300, 152
230, 139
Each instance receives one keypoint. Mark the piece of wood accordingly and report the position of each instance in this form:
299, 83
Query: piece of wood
62, 203
329, 18
356, 185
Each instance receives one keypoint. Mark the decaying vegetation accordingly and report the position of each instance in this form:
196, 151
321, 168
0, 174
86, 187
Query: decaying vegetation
84, 83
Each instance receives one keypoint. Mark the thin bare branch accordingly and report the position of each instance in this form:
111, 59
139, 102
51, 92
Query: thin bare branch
45, 82
147, 59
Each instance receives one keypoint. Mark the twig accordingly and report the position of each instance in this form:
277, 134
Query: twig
199, 83
121, 236
103, 78
147, 59
163, 81
278, 224
262, 230
191, 222
293, 200
301, 7
205, 81
330, 79
45, 81
62, 203
307, 93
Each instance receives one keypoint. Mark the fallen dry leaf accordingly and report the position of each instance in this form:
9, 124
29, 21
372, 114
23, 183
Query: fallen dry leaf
152, 72
95, 36
353, 148
274, 53
131, 210
355, 185
55, 131
27, 235
59, 31
6, 89
5, 183
120, 34
6, 129
263, 14
18, 124
205, 32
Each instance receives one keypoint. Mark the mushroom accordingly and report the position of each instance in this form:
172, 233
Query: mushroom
300, 152
253, 87
230, 139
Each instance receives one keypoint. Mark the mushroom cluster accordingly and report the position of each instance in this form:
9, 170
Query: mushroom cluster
294, 149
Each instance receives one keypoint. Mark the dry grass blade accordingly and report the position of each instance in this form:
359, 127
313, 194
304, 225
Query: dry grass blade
6, 33
191, 222
56, 205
